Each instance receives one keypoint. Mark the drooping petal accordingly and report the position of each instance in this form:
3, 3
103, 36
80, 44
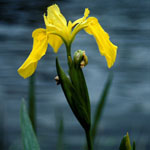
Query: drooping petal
39, 49
106, 47
55, 42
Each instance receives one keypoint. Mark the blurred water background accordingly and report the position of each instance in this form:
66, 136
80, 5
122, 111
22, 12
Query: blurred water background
128, 105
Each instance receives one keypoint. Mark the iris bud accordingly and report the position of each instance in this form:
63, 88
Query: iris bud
80, 58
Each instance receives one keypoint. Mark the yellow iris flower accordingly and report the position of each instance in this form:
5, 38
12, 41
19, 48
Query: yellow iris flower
58, 32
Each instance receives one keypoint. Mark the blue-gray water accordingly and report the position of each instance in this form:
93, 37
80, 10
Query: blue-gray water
128, 105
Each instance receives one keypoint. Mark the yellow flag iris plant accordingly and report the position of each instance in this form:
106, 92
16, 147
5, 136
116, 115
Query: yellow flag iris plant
58, 31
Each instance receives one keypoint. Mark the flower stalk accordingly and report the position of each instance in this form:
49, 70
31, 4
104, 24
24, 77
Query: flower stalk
76, 92
89, 140
69, 58
32, 102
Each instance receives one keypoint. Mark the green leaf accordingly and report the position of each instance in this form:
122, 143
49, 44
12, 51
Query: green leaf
100, 106
60, 145
125, 143
32, 102
78, 81
74, 99
28, 136
133, 146
65, 83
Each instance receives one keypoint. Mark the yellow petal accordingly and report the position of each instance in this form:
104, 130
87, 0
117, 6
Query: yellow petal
56, 24
55, 42
38, 50
80, 24
69, 26
86, 13
78, 28
55, 17
50, 26
106, 47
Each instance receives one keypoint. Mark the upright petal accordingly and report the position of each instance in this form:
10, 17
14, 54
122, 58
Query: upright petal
55, 42
106, 47
56, 24
79, 24
78, 28
55, 17
38, 50
86, 13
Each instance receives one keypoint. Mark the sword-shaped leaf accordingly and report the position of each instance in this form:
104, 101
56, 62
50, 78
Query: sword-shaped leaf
28, 136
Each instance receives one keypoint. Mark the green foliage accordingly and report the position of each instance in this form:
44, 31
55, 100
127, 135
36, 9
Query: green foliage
125, 143
32, 109
100, 106
60, 135
133, 146
78, 81
28, 136
74, 97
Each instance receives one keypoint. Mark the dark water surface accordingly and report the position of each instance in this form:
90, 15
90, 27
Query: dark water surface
128, 105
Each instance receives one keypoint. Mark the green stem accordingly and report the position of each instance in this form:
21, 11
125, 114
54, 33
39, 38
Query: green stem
32, 109
88, 134
69, 58
60, 135
89, 140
